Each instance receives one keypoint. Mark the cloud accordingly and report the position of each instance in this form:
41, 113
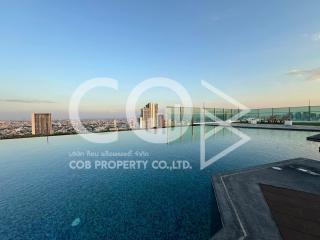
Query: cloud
307, 75
215, 18
26, 101
313, 36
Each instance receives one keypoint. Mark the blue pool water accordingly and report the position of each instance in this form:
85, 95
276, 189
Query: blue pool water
41, 197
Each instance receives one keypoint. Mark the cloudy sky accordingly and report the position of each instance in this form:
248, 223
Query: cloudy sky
262, 53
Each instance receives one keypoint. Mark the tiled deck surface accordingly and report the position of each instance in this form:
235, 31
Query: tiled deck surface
245, 213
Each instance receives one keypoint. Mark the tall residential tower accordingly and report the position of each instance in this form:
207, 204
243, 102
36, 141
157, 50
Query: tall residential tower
149, 116
41, 124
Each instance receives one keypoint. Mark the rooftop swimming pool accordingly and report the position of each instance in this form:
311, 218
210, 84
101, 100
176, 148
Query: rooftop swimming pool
41, 197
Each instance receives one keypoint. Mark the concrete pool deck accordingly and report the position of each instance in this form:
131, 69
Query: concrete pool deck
314, 138
244, 211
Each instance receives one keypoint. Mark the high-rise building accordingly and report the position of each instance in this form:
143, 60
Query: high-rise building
161, 121
41, 124
144, 118
149, 116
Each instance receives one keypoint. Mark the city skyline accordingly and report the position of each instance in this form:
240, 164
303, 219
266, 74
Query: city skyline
49, 50
162, 110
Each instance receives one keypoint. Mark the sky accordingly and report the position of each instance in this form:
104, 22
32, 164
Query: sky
262, 53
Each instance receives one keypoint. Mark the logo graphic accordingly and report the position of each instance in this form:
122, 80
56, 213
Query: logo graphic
160, 137
220, 125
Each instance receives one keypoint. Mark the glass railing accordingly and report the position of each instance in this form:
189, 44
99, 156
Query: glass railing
184, 116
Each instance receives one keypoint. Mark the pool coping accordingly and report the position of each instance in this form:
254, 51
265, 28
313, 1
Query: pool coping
307, 128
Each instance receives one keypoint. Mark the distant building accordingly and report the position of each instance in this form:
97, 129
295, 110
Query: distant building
144, 118
114, 126
133, 124
161, 121
149, 116
41, 124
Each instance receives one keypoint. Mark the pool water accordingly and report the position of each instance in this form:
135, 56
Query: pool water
41, 197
